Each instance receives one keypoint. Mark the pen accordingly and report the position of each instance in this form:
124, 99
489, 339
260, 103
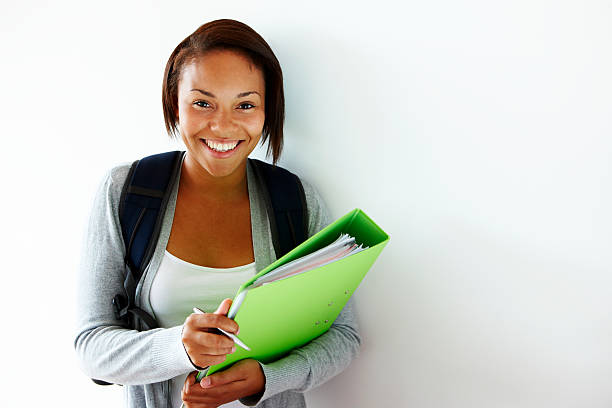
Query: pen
230, 335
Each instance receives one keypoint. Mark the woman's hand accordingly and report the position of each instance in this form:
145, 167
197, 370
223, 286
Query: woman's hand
204, 346
242, 379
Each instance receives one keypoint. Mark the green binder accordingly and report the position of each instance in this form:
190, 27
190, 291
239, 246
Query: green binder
280, 316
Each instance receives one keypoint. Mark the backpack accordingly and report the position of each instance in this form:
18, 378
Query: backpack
142, 206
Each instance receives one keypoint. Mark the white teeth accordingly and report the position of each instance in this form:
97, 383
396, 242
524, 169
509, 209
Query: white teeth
220, 147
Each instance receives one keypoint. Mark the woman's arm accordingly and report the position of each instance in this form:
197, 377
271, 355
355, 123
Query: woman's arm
106, 349
324, 357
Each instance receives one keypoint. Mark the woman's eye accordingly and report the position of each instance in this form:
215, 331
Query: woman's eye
243, 106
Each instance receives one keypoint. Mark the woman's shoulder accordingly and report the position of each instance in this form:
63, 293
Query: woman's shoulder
111, 182
118, 174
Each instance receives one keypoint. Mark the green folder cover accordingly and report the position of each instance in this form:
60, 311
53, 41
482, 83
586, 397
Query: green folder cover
280, 316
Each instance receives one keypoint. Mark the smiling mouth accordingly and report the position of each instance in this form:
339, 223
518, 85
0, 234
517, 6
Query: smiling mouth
222, 147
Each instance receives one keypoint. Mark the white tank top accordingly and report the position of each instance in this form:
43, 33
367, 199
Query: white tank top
179, 286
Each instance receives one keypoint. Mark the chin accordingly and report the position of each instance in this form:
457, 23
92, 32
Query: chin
220, 169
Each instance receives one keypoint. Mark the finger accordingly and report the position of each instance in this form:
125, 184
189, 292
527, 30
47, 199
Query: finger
225, 392
200, 403
190, 381
218, 395
211, 343
196, 321
200, 357
204, 360
221, 378
190, 385
224, 307
211, 321
191, 378
195, 394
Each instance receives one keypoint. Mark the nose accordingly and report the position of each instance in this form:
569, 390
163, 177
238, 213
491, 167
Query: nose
221, 122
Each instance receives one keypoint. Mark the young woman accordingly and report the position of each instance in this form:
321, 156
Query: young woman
223, 92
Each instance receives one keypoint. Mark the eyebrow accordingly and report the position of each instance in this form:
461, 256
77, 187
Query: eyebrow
240, 95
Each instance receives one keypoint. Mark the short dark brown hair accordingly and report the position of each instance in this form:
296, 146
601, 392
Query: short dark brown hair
226, 34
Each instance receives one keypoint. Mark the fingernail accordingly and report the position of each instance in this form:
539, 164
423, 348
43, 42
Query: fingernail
238, 331
233, 349
205, 382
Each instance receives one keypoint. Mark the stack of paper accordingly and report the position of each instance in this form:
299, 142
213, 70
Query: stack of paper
342, 247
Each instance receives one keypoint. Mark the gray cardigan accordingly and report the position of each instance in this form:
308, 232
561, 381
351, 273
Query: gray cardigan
145, 361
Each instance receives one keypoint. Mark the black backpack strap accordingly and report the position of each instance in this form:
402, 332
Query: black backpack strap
286, 205
143, 202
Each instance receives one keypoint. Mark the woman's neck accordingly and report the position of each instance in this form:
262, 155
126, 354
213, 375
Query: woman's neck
198, 181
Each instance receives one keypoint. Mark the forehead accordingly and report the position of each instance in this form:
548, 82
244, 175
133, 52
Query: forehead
221, 69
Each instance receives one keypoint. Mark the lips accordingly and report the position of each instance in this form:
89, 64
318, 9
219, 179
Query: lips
221, 145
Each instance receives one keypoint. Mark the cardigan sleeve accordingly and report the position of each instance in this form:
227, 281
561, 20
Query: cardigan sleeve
107, 350
324, 357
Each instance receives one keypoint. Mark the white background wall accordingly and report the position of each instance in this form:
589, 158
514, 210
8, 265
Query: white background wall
476, 133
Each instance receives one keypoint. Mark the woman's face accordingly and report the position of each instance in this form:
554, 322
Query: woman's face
221, 110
